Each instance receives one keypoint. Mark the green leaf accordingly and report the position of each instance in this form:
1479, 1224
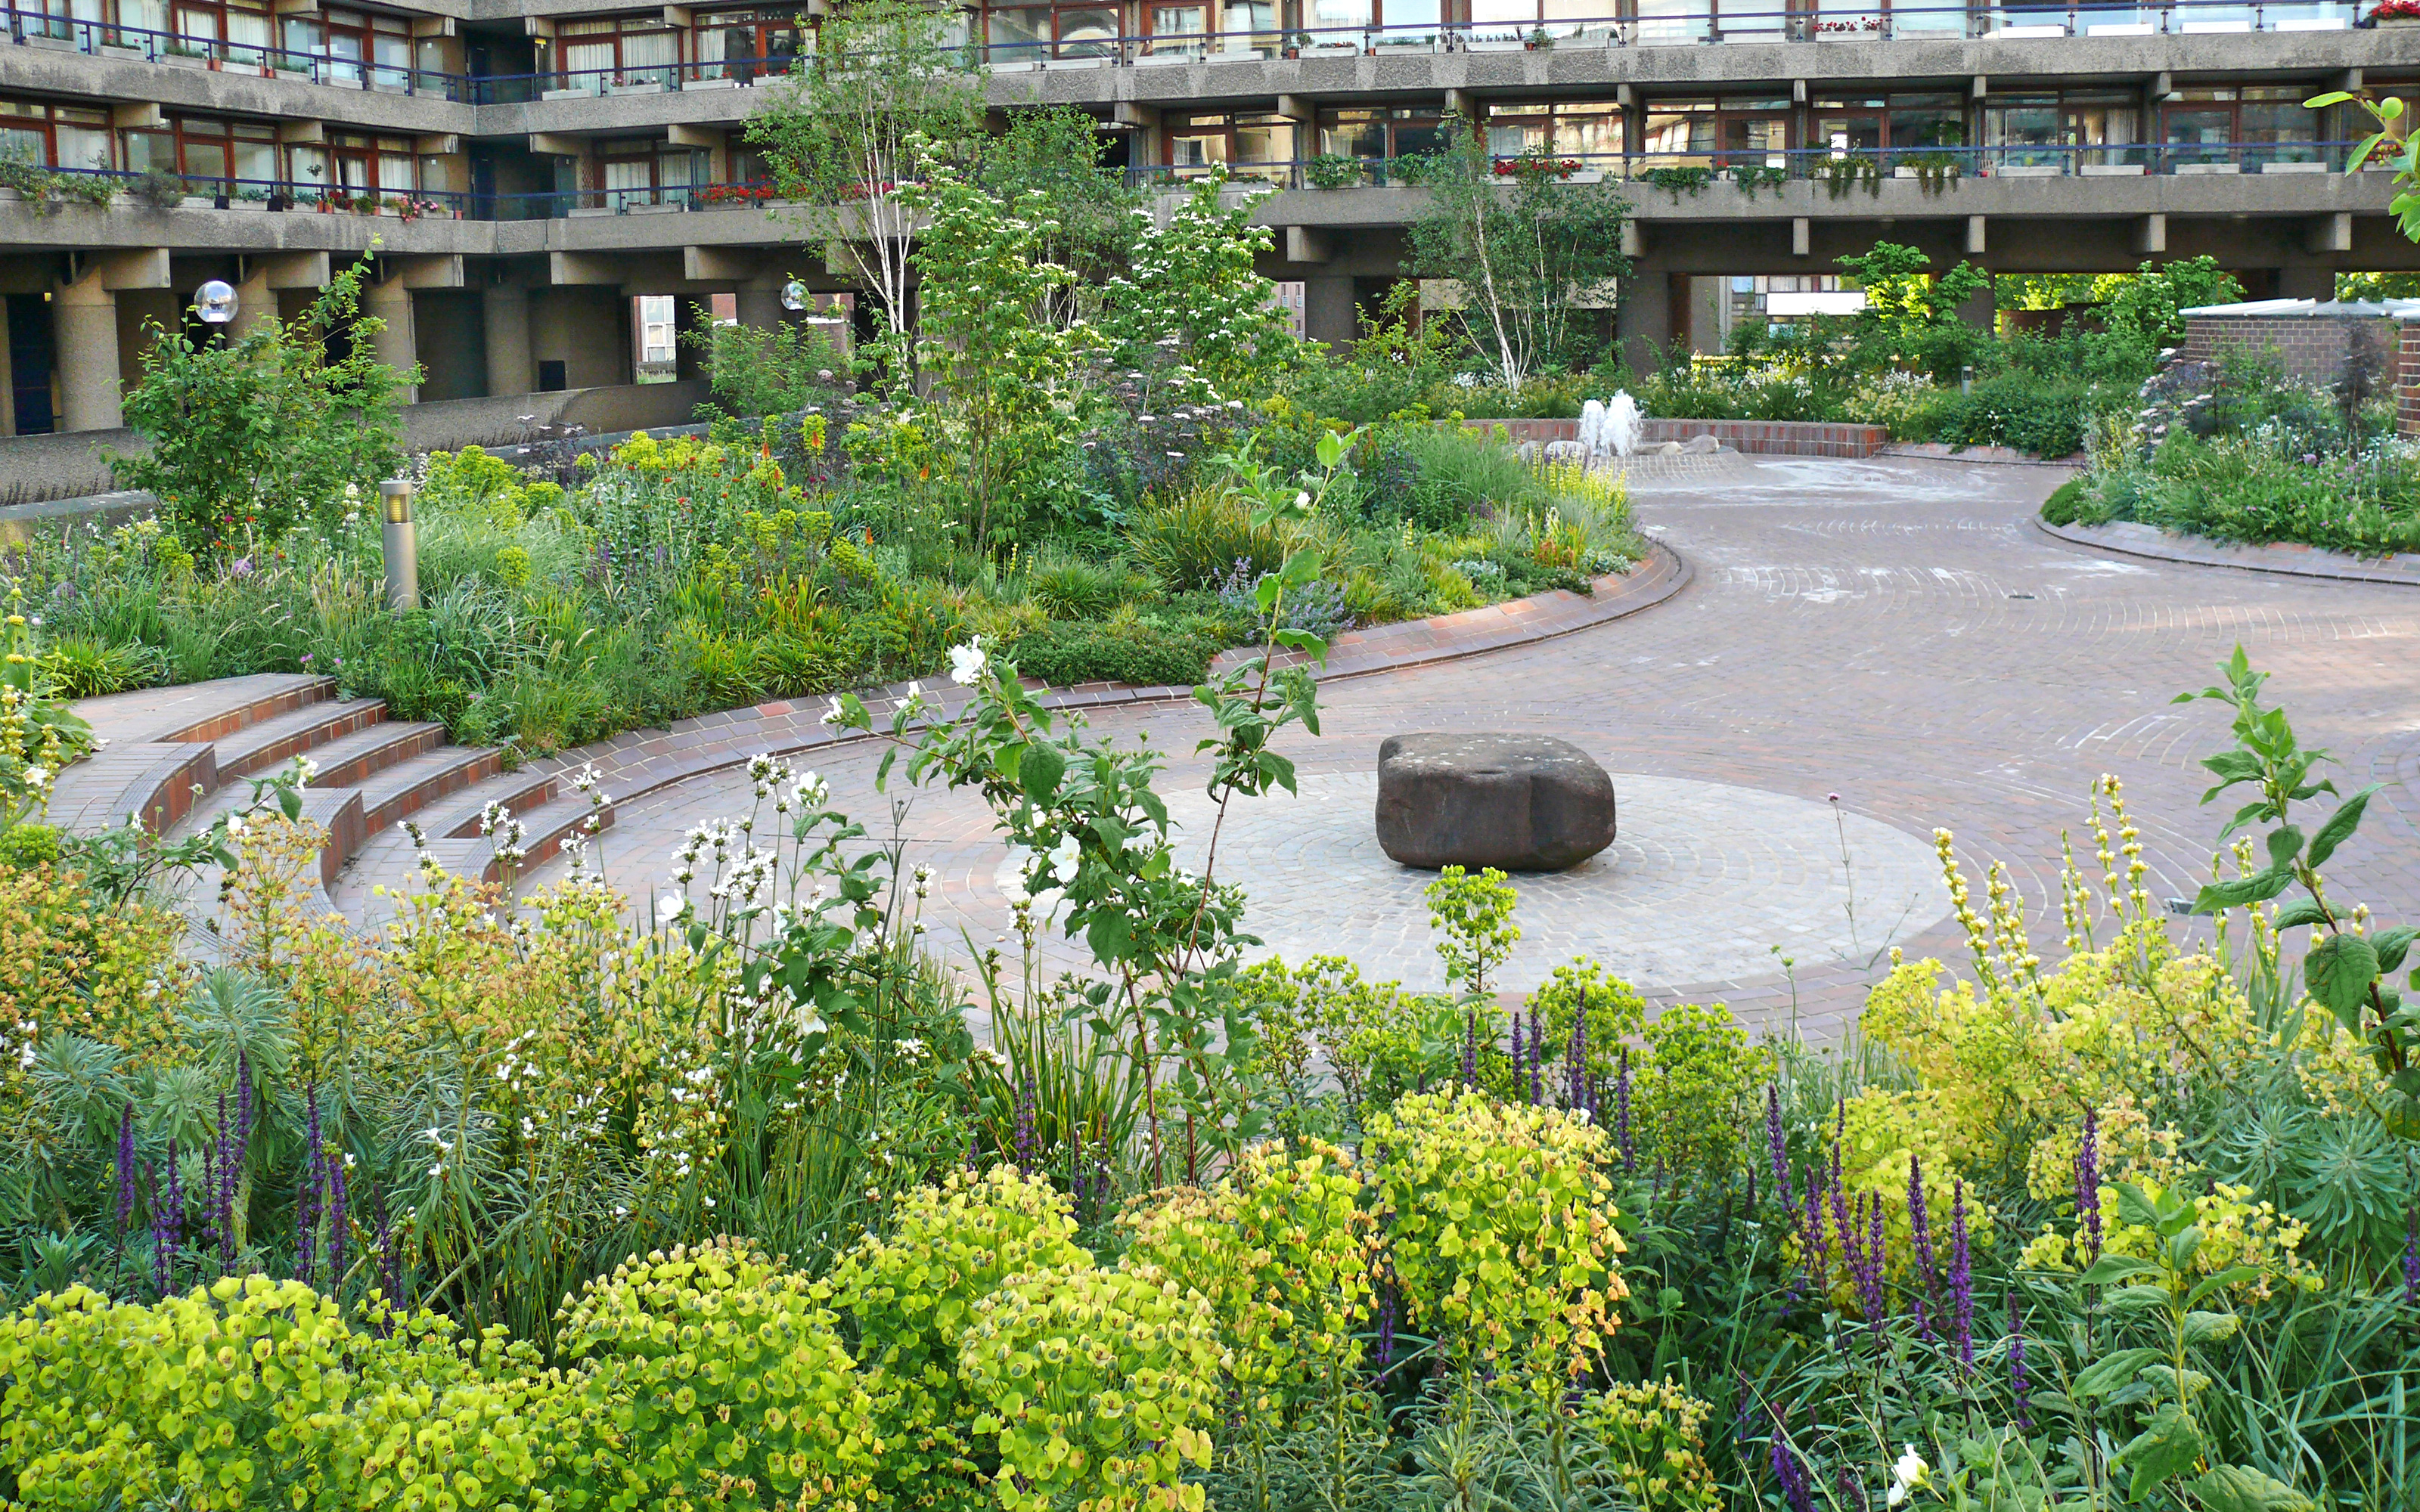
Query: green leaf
2340, 825
2300, 911
2210, 1328
2337, 972
2257, 889
2110, 1372
2168, 1444
2135, 1206
1038, 771
2234, 1489
2284, 844
2391, 946
2232, 1276
2111, 1269
2136, 1299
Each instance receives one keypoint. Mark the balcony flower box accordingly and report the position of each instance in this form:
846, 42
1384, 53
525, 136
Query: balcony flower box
56, 45
2293, 167
2120, 28
674, 209
2111, 170
693, 85
2030, 170
2053, 29
9, 195
1162, 60
197, 202
2185, 168
1335, 50
566, 94
199, 61
1244, 55
640, 86
1059, 63
119, 51
1492, 44
583, 212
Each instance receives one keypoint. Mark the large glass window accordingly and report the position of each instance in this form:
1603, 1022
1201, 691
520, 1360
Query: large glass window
1258, 147
210, 152
56, 136
637, 173
1718, 132
1022, 34
615, 50
2074, 132
1590, 130
745, 45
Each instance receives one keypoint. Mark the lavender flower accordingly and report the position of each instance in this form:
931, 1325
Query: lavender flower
1961, 1277
2088, 1184
2411, 1257
1537, 1058
1864, 1244
1813, 1238
1853, 1496
1789, 1471
1470, 1050
1516, 1049
1928, 1302
2020, 1386
389, 1260
1776, 1143
1576, 1056
125, 1170
1386, 1328
167, 1223
1029, 1146
306, 1194
1622, 1115
336, 1222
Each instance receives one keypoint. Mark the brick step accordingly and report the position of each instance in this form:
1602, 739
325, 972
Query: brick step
388, 861
351, 761
457, 816
244, 703
544, 829
257, 749
408, 787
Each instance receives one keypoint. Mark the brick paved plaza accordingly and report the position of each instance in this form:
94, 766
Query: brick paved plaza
1897, 631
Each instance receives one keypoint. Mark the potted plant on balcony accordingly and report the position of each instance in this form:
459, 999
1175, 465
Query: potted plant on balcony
179, 54
2396, 13
1332, 170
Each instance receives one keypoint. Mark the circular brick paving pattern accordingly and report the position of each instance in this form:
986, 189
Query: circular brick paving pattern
1897, 631
1705, 881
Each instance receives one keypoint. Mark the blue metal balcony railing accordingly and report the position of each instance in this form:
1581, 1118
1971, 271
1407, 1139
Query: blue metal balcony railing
1842, 174
1653, 23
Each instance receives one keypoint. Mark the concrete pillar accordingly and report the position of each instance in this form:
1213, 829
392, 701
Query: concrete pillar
2306, 282
1642, 321
7, 378
1329, 312
760, 308
256, 305
689, 313
394, 344
510, 369
1980, 309
83, 323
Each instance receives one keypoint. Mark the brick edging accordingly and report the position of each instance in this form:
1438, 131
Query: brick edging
2291, 561
634, 765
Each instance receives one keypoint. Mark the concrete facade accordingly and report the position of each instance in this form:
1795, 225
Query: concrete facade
507, 266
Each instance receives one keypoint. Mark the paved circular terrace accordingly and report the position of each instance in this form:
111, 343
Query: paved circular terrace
1897, 631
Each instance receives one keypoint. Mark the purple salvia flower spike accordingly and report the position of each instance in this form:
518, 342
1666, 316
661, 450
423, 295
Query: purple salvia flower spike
2020, 1384
2088, 1184
1961, 1277
1927, 1297
1622, 1115
125, 1169
1776, 1143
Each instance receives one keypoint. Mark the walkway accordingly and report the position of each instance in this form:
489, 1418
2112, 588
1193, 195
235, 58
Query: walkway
1895, 631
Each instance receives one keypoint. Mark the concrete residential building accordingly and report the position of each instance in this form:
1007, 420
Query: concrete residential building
529, 169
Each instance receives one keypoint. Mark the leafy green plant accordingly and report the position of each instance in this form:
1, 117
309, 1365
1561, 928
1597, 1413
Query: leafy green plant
1472, 917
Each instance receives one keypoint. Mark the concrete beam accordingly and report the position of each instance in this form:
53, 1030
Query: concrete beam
1126, 113
137, 268
437, 145
691, 135
1634, 241
1298, 109
434, 26
2151, 235
1305, 245
679, 17
441, 270
302, 134
1798, 91
1802, 236
1981, 86
718, 264
1457, 102
569, 268
1624, 97
137, 115
288, 269
555, 145
1975, 236
2329, 233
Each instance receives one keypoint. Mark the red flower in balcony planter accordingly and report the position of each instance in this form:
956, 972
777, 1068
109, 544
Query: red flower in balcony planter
2397, 11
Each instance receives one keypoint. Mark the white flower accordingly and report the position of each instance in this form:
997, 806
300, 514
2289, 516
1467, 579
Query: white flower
1302, 499
966, 662
36, 777
1064, 858
1910, 1472
670, 907
831, 712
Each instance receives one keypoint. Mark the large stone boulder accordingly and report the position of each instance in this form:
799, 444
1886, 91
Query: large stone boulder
1520, 803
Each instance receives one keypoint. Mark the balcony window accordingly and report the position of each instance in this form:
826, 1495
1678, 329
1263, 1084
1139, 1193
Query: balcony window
1021, 34
746, 45
1182, 30
209, 150
56, 136
649, 172
596, 53
1585, 128
1730, 130
1249, 146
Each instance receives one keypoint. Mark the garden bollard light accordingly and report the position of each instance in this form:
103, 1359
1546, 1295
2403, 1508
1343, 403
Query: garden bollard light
402, 544
1966, 379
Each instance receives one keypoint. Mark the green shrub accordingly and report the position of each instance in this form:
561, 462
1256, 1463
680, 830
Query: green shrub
1196, 541
26, 847
84, 668
2060, 507
1065, 653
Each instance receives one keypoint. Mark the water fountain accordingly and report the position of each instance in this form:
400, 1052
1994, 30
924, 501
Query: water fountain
1623, 424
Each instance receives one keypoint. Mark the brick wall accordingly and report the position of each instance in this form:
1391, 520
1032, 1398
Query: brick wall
2311, 349
1765, 438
